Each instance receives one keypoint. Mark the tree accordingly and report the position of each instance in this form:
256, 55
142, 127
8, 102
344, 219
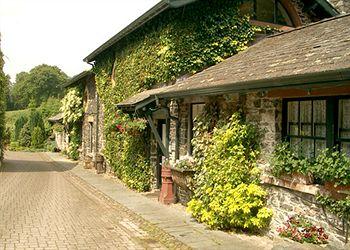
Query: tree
38, 85
19, 124
3, 90
38, 137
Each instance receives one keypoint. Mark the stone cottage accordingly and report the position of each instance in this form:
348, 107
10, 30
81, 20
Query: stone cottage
294, 85
92, 122
263, 82
282, 15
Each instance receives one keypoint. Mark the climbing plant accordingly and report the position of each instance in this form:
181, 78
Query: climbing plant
3, 91
176, 42
72, 109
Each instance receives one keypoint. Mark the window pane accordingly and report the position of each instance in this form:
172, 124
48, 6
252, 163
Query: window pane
345, 148
319, 114
293, 123
344, 119
305, 118
307, 148
320, 145
265, 10
295, 144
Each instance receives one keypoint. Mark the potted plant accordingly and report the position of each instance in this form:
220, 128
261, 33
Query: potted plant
287, 165
183, 172
332, 167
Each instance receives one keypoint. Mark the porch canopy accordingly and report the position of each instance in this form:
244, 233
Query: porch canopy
316, 54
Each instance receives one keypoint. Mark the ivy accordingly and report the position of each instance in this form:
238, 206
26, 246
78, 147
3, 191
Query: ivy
72, 109
3, 92
176, 42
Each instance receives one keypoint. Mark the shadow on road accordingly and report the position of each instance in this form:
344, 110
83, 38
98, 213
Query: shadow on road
33, 162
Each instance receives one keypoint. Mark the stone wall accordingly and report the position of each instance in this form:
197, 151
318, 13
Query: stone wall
266, 113
93, 143
286, 202
343, 6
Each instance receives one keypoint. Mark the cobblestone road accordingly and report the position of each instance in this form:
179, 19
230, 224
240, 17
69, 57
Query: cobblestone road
45, 207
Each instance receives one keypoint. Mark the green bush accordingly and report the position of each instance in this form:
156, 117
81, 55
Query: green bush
285, 160
19, 124
332, 165
227, 195
329, 165
38, 138
36, 120
25, 136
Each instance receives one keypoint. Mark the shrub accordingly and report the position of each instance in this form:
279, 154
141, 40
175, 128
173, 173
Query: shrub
38, 137
25, 136
36, 120
332, 165
20, 122
286, 161
227, 195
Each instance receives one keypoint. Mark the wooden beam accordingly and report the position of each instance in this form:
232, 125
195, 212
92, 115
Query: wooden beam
157, 136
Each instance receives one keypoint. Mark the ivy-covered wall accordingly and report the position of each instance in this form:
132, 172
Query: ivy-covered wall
3, 90
177, 42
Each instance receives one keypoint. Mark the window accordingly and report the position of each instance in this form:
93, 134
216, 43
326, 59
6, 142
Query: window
195, 110
311, 125
270, 11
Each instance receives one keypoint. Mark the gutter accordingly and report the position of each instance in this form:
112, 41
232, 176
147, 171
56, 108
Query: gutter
329, 77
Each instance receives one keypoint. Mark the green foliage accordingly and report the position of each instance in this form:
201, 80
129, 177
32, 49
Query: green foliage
38, 137
329, 165
132, 165
19, 124
35, 120
176, 42
227, 195
35, 87
332, 165
25, 137
72, 109
285, 160
4, 83
341, 208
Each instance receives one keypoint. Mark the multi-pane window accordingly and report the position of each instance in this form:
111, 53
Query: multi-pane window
343, 135
271, 11
313, 124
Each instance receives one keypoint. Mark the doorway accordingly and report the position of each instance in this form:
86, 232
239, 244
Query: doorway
162, 131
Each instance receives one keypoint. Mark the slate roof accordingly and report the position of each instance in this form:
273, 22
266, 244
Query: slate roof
300, 55
75, 79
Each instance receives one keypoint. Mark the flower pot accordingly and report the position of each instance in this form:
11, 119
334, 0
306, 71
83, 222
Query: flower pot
306, 179
182, 178
100, 168
337, 192
88, 164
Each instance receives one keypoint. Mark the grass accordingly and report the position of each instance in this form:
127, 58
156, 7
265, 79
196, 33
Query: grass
11, 116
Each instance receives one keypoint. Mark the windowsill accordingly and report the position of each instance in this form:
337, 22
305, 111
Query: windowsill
271, 25
313, 189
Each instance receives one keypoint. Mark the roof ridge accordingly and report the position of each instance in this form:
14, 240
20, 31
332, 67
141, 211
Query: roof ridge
310, 24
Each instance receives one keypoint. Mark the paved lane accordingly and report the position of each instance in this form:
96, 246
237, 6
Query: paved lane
43, 206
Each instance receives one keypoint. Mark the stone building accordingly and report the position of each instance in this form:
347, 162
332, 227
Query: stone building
61, 137
294, 85
92, 122
279, 75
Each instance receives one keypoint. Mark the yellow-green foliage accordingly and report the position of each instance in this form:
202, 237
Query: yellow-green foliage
227, 194
177, 42
3, 90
